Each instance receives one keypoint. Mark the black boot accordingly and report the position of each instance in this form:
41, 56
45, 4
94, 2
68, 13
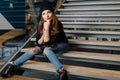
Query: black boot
63, 75
8, 71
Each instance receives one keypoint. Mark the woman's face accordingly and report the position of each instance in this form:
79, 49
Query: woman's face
47, 15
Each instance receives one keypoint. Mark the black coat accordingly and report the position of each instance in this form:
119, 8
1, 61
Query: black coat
59, 38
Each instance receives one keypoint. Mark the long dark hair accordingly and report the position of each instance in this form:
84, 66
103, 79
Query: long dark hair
53, 25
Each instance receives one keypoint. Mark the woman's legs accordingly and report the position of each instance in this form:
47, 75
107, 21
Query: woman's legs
62, 47
9, 69
50, 53
27, 55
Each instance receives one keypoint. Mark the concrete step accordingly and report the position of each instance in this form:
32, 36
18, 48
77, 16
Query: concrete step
94, 57
74, 70
88, 12
79, 42
19, 77
89, 19
90, 26
90, 9
95, 32
95, 42
10, 34
87, 3
91, 16
92, 44
92, 23
93, 7
88, 0
73, 0
91, 56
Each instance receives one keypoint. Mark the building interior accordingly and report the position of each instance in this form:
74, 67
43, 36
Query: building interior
91, 26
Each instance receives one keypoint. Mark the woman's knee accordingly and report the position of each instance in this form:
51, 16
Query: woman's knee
47, 50
35, 50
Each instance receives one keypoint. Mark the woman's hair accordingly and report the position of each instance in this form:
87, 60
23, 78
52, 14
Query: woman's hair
53, 25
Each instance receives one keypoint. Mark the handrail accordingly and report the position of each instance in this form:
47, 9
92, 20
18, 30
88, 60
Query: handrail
18, 51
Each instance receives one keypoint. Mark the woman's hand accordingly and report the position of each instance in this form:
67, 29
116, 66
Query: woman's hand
46, 31
46, 25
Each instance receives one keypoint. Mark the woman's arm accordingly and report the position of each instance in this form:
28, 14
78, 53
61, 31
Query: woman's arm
46, 31
41, 40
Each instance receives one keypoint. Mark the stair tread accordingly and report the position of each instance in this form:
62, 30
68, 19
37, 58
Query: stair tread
93, 55
88, 15
91, 32
92, 3
90, 55
91, 42
86, 23
97, 9
74, 70
19, 77
95, 42
11, 34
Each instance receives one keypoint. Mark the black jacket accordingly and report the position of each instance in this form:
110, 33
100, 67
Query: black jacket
59, 38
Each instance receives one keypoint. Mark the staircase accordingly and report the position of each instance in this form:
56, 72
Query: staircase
92, 27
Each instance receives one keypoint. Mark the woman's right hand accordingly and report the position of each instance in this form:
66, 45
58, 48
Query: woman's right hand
46, 30
46, 25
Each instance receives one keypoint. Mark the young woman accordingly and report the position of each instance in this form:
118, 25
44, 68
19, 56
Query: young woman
50, 39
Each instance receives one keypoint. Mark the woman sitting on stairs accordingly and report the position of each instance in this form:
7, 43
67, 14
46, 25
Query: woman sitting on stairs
50, 38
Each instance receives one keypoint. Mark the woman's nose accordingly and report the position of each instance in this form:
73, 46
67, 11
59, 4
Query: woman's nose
46, 15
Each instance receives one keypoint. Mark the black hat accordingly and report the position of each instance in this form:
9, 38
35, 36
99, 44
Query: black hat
46, 6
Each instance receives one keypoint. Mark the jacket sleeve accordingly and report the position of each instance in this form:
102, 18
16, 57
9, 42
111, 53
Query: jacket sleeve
49, 43
61, 36
45, 44
37, 38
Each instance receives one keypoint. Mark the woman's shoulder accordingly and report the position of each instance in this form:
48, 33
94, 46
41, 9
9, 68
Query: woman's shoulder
59, 22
